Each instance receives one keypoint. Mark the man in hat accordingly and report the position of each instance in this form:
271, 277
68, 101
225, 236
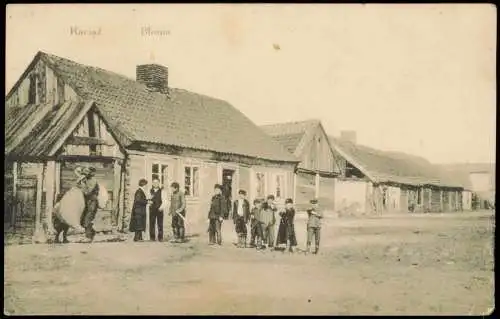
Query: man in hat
178, 212
313, 225
241, 214
218, 209
88, 184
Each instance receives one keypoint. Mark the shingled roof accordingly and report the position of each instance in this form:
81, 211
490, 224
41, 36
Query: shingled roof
182, 119
384, 166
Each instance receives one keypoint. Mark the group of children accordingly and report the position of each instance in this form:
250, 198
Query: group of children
262, 220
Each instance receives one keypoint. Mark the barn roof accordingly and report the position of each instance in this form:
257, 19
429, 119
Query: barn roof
397, 167
184, 119
295, 136
36, 130
290, 134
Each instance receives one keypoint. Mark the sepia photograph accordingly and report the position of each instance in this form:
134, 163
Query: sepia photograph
250, 159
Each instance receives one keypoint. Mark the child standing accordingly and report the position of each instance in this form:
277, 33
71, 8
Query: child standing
268, 218
241, 212
256, 225
286, 230
314, 225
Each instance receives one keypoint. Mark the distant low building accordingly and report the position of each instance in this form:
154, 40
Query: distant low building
374, 181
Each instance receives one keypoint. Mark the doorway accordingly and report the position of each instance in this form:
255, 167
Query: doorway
227, 186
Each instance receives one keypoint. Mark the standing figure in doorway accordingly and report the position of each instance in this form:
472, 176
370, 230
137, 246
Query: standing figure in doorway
218, 209
138, 218
241, 214
158, 198
178, 212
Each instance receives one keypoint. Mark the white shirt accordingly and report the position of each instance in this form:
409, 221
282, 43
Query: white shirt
240, 207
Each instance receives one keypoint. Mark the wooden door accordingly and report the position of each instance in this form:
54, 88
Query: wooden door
23, 222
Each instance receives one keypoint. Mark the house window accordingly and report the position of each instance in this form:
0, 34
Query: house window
160, 172
279, 185
191, 181
260, 185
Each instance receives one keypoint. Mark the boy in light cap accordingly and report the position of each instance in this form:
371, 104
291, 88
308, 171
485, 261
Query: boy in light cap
313, 225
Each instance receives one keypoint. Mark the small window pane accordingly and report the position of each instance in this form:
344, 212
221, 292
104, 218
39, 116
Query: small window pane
155, 168
187, 180
164, 175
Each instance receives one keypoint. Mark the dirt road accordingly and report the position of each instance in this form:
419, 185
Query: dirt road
420, 264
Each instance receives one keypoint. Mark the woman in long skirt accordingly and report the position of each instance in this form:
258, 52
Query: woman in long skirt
286, 230
138, 218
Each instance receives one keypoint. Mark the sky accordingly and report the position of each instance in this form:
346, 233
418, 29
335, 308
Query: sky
416, 78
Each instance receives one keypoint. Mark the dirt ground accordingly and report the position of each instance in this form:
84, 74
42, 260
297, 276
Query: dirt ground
405, 264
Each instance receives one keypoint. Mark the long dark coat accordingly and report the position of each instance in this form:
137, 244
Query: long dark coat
286, 229
138, 217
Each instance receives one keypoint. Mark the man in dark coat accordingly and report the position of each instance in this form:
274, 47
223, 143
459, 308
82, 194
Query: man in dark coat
241, 214
90, 188
156, 211
218, 209
178, 212
138, 218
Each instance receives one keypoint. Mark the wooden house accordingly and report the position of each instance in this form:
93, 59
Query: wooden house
315, 174
375, 181
61, 113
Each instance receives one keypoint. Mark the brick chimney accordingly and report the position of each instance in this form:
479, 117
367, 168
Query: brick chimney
154, 76
349, 136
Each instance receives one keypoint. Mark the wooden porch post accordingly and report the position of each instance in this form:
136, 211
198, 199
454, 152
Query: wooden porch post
50, 177
146, 173
430, 199
295, 187
441, 200
38, 235
14, 178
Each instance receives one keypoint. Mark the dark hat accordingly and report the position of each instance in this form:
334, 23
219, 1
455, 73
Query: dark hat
175, 185
257, 201
314, 201
242, 192
289, 201
142, 182
270, 197
219, 186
